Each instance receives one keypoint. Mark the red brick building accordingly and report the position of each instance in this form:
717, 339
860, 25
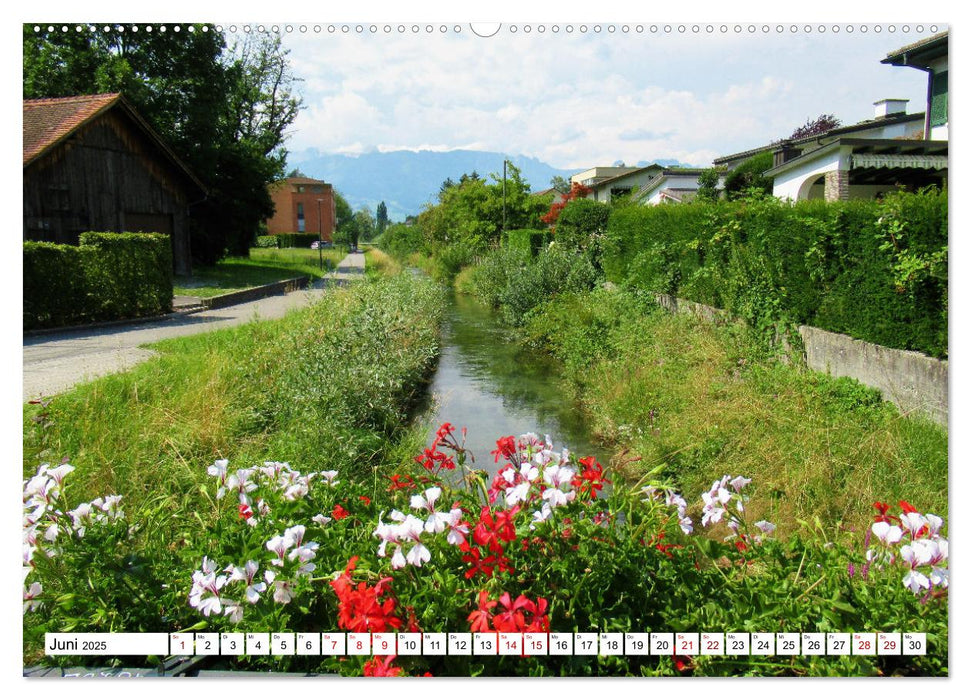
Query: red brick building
298, 201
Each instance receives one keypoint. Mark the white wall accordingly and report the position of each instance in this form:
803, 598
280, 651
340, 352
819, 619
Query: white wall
787, 185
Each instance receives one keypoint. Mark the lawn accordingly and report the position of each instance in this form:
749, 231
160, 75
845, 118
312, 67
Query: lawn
263, 266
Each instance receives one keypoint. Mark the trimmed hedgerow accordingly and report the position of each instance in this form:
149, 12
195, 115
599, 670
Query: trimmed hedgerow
130, 274
55, 287
296, 240
108, 276
875, 270
267, 242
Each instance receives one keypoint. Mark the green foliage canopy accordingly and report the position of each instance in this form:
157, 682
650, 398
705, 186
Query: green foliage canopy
223, 109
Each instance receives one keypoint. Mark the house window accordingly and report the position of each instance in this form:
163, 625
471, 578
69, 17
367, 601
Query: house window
300, 189
301, 224
939, 99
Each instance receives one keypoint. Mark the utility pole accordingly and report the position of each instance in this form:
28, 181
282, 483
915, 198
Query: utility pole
504, 197
320, 236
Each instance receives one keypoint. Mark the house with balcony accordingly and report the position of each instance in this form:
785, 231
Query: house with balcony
617, 181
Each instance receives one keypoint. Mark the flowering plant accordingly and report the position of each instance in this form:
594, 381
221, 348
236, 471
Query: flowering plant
546, 542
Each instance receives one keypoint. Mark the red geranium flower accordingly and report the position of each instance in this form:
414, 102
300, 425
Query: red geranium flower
245, 512
365, 500
591, 478
907, 508
882, 513
505, 448
401, 482
364, 608
339, 512
382, 669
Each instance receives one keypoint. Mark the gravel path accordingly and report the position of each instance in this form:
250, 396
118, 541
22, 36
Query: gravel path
54, 362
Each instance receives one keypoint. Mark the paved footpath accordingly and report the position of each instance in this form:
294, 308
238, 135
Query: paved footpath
54, 362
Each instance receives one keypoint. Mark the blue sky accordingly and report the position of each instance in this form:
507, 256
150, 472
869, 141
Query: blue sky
579, 99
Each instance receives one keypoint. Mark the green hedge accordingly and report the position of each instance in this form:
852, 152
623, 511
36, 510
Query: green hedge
875, 270
108, 276
528, 240
296, 240
267, 242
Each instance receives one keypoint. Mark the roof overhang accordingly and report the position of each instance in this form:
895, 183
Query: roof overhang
919, 54
119, 102
876, 153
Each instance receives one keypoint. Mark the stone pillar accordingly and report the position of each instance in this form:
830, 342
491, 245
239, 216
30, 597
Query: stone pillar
837, 185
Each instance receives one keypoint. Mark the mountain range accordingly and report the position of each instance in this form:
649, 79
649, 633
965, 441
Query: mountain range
406, 180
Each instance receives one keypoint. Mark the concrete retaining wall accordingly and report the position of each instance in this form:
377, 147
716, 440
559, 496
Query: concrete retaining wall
254, 293
910, 380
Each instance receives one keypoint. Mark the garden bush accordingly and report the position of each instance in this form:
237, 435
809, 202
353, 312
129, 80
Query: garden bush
296, 240
401, 240
131, 273
875, 270
529, 240
581, 227
515, 283
267, 242
108, 276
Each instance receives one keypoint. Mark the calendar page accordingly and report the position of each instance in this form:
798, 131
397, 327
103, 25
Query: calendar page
425, 348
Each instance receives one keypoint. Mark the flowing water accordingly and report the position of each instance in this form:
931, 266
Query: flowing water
491, 385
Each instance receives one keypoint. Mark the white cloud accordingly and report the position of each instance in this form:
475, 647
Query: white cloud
578, 100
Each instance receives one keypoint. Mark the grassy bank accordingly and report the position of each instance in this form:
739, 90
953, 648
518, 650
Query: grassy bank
263, 266
696, 401
329, 387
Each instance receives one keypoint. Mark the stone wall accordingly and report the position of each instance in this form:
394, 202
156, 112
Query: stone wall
914, 382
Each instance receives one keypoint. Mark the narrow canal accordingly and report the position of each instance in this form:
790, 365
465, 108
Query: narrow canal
491, 385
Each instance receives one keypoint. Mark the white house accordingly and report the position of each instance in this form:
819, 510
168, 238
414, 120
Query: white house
868, 162
672, 185
929, 55
607, 183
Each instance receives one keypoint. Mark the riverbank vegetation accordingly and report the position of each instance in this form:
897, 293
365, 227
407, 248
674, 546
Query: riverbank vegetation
329, 387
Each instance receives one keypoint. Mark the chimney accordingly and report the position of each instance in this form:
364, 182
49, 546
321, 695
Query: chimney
889, 107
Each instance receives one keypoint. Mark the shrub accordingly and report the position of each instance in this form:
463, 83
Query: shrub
55, 287
130, 273
108, 276
401, 240
296, 240
529, 240
581, 226
748, 174
510, 280
267, 242
875, 270
452, 258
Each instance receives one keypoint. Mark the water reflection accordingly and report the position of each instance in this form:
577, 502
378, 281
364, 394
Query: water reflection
491, 385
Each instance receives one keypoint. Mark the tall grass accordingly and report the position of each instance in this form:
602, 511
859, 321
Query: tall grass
700, 400
262, 266
326, 387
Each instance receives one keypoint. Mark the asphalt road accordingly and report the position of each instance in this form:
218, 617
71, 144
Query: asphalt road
54, 362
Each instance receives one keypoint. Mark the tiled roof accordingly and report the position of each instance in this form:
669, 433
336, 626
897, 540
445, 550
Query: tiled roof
838, 131
932, 42
303, 181
48, 121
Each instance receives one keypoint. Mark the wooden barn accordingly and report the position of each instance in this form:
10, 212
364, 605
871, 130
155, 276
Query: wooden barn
91, 163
